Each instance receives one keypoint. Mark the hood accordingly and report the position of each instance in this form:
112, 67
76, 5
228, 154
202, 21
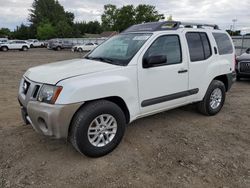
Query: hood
244, 56
54, 72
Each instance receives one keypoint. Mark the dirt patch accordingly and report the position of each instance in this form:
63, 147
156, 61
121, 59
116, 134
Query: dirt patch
178, 148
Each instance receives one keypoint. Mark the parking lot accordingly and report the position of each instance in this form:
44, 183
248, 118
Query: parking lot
178, 148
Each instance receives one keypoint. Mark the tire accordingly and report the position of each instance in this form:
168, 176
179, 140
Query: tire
4, 48
83, 122
32, 46
80, 50
24, 48
211, 107
58, 48
238, 78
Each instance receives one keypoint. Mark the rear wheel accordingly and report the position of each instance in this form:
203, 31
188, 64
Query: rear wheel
80, 50
4, 48
97, 128
214, 99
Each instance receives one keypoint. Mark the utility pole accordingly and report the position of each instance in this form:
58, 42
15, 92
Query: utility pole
234, 22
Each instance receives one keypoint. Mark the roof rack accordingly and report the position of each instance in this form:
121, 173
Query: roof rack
166, 25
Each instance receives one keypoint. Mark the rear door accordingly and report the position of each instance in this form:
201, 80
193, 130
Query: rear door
200, 58
13, 45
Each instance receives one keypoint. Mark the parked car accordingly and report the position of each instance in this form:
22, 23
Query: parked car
3, 40
15, 45
34, 43
148, 68
243, 65
84, 47
59, 44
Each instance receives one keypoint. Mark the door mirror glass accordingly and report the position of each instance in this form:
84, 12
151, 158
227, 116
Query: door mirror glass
153, 61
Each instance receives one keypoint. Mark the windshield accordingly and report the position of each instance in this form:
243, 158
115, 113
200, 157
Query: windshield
120, 49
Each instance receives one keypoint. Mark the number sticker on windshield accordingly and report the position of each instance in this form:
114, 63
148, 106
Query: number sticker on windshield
144, 37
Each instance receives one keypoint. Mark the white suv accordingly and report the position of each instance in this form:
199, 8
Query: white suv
14, 45
148, 68
34, 43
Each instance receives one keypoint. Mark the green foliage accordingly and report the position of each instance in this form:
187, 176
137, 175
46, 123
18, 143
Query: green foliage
109, 17
119, 19
46, 31
147, 13
125, 17
22, 32
50, 11
80, 28
234, 33
48, 19
5, 32
63, 29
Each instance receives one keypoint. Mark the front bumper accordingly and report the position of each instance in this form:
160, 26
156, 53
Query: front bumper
50, 120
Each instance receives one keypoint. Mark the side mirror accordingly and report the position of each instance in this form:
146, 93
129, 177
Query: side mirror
248, 51
154, 61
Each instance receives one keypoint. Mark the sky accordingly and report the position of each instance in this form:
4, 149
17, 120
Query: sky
221, 12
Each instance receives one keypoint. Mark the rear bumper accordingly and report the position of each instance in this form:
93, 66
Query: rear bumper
50, 120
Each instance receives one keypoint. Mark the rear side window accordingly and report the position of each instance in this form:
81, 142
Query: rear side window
223, 43
199, 46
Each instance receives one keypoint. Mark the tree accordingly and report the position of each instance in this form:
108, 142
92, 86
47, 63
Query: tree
93, 27
109, 17
63, 29
147, 13
22, 32
5, 32
125, 18
45, 31
119, 19
234, 33
51, 11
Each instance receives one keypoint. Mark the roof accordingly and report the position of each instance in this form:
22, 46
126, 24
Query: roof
90, 35
166, 25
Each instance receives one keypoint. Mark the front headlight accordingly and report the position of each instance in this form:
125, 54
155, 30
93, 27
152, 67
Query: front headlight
49, 93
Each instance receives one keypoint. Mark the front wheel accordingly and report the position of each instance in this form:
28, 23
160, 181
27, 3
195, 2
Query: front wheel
24, 48
58, 48
80, 50
4, 49
97, 128
214, 99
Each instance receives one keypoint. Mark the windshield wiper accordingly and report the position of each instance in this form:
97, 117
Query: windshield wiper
102, 59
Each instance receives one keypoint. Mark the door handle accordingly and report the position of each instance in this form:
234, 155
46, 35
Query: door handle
182, 71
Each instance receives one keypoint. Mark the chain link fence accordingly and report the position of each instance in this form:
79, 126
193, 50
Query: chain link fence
241, 43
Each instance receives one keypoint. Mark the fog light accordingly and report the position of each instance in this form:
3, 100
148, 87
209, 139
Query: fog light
42, 124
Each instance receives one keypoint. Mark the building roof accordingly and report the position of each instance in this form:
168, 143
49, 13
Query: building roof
107, 34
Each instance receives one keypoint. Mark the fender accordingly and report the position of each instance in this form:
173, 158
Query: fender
102, 85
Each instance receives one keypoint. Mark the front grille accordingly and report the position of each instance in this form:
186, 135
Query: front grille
244, 67
35, 92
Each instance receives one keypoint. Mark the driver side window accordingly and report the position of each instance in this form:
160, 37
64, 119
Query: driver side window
167, 45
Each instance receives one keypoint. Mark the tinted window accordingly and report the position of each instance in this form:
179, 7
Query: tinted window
199, 46
169, 46
206, 45
223, 43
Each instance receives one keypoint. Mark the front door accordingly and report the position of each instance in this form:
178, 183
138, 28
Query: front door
163, 85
